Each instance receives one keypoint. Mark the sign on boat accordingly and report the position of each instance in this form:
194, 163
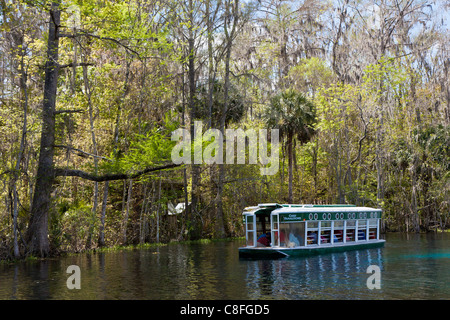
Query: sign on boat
275, 230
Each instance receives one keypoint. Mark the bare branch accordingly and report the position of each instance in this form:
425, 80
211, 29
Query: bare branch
81, 153
70, 65
60, 172
102, 38
69, 111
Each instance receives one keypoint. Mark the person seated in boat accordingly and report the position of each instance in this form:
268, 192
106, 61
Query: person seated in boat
263, 240
293, 240
312, 237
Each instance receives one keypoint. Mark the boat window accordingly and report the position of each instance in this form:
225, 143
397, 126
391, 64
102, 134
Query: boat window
325, 236
249, 222
338, 231
250, 232
275, 225
372, 233
250, 237
350, 235
312, 236
351, 223
350, 231
275, 238
262, 224
284, 229
361, 234
362, 230
325, 232
325, 224
313, 225
292, 234
373, 228
339, 224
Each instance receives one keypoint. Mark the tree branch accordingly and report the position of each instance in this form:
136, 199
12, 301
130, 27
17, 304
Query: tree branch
81, 153
81, 64
60, 172
86, 34
69, 111
366, 125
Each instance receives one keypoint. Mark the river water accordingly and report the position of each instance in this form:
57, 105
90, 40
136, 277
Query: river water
410, 266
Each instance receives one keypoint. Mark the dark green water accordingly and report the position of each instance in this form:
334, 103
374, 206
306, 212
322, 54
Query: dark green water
411, 267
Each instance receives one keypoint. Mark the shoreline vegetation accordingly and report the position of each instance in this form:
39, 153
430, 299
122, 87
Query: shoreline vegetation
355, 95
115, 248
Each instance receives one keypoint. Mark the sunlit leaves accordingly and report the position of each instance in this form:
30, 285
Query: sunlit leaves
146, 150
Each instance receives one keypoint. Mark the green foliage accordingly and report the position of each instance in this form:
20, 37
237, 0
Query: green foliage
235, 107
72, 225
146, 150
434, 142
310, 74
293, 114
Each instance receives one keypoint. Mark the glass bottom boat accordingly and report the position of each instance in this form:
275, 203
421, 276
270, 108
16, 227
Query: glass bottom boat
275, 230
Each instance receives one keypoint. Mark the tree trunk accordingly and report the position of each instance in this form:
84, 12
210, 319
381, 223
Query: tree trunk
101, 236
195, 170
291, 163
158, 209
37, 233
23, 87
229, 36
210, 63
141, 216
185, 183
314, 155
127, 209
220, 223
94, 147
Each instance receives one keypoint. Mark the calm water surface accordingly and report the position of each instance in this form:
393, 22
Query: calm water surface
412, 267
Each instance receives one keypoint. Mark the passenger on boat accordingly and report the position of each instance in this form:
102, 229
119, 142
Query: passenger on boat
293, 241
312, 239
263, 240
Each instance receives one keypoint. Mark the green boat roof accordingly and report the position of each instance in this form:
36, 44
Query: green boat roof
266, 208
299, 212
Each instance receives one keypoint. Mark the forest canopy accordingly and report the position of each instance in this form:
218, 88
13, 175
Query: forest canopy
91, 91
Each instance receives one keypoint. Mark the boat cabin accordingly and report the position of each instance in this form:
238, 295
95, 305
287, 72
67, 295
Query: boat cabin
297, 226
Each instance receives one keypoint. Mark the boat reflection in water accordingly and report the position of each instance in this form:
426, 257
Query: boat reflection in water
328, 276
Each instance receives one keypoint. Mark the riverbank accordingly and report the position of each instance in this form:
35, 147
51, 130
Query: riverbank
7, 258
159, 244
115, 248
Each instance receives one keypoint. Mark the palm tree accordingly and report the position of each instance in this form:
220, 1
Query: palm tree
294, 116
